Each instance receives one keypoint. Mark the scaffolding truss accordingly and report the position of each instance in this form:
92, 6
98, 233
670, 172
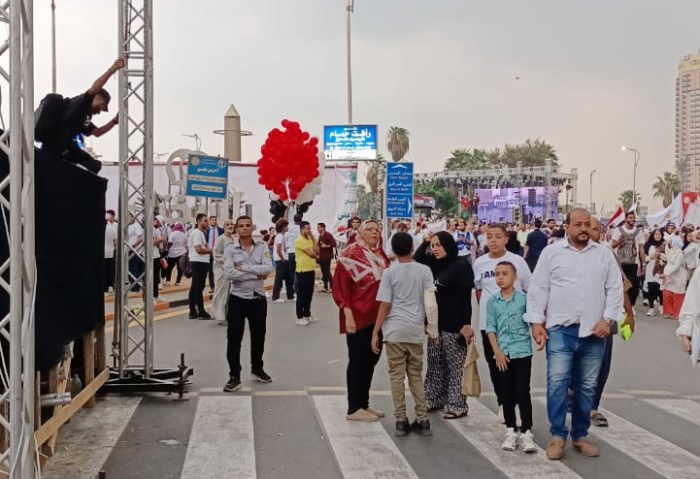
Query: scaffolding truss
132, 346
18, 272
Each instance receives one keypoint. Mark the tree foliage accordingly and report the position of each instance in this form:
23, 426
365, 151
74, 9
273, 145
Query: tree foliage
530, 152
667, 186
445, 199
626, 199
398, 142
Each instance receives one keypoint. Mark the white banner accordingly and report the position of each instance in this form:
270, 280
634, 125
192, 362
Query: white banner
334, 205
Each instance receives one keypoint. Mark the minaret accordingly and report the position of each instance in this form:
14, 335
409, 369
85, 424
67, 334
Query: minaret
232, 135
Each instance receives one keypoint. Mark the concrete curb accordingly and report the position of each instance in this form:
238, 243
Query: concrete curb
164, 306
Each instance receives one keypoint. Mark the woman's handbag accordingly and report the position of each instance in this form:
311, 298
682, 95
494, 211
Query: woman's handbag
471, 384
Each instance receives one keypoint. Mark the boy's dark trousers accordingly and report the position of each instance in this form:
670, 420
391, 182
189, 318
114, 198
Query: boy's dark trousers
514, 384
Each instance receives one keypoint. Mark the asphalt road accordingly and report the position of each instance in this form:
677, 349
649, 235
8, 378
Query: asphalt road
294, 426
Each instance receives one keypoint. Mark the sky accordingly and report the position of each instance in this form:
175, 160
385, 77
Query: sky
594, 75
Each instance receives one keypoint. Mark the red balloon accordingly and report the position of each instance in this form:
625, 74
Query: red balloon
313, 141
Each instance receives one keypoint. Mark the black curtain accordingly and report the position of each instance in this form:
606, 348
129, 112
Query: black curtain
70, 226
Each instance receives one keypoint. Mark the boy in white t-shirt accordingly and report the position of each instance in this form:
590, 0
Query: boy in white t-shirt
486, 287
406, 295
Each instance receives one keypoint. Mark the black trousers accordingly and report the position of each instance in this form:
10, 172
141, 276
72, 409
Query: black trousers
255, 310
199, 278
136, 267
630, 271
305, 293
172, 262
156, 276
282, 276
654, 294
109, 273
604, 371
326, 272
361, 363
211, 272
493, 369
291, 271
514, 384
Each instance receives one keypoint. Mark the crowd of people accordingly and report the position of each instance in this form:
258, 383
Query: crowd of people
568, 288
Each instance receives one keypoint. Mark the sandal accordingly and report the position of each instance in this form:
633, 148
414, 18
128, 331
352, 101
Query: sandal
450, 415
599, 420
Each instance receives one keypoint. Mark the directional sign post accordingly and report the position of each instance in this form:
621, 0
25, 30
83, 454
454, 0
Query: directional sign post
350, 142
399, 190
207, 177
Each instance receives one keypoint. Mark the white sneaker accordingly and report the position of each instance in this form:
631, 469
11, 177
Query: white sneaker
527, 442
511, 442
651, 312
646, 302
501, 417
279, 300
302, 322
518, 421
311, 319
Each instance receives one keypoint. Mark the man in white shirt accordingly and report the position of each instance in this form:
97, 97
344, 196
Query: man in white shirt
292, 235
199, 255
110, 245
281, 258
628, 243
575, 295
136, 266
485, 286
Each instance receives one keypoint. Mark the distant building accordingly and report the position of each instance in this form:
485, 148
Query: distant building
688, 120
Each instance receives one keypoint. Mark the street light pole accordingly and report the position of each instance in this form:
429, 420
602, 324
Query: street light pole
349, 9
590, 191
53, 46
634, 173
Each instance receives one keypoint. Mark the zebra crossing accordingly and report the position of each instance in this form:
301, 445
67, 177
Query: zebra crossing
222, 441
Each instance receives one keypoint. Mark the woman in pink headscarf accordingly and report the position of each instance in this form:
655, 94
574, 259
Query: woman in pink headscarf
177, 247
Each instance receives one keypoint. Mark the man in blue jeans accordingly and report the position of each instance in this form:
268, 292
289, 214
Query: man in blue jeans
574, 297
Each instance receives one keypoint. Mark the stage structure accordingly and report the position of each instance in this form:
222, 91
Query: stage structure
132, 346
18, 271
518, 177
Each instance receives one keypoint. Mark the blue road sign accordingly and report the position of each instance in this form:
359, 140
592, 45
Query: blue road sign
350, 142
399, 190
207, 176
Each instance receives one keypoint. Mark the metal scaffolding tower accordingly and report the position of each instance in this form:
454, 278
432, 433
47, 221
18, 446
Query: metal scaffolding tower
18, 272
132, 347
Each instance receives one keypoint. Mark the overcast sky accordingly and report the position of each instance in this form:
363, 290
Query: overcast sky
594, 75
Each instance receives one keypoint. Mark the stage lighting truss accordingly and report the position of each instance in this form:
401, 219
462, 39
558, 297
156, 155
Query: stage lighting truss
18, 273
132, 346
518, 177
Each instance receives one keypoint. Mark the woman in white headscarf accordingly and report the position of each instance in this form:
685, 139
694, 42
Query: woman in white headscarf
674, 278
689, 322
221, 284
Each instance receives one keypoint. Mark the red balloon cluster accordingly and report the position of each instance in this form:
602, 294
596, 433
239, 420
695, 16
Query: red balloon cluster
289, 161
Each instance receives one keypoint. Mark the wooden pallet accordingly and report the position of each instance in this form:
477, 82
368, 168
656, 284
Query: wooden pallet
59, 378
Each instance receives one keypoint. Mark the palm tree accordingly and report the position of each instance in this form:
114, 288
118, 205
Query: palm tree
667, 186
531, 153
372, 175
464, 159
495, 157
626, 199
398, 142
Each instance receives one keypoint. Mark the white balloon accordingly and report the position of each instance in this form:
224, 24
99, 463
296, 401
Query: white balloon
274, 197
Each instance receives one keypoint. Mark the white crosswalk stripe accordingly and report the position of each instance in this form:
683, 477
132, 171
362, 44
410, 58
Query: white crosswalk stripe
362, 450
683, 408
482, 430
221, 444
656, 453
